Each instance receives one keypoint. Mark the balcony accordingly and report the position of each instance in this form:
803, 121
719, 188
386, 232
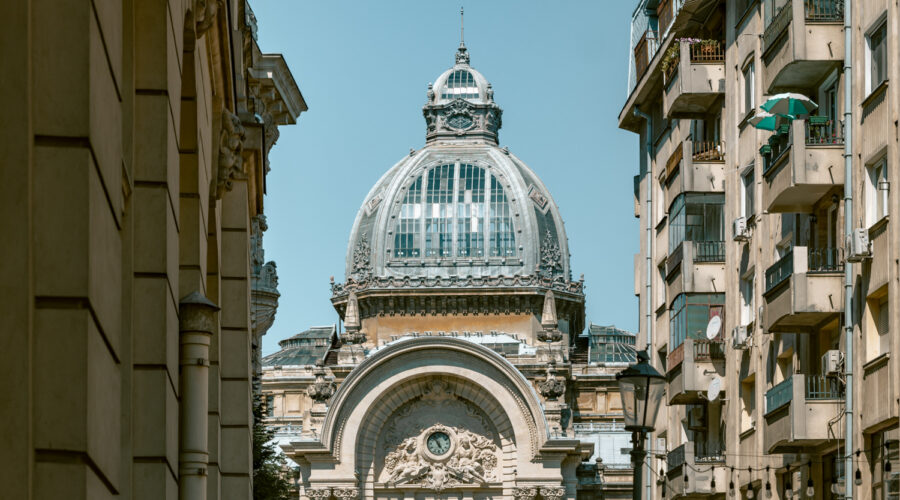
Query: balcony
691, 367
694, 77
700, 262
804, 290
876, 382
803, 42
695, 167
644, 51
702, 461
801, 412
798, 173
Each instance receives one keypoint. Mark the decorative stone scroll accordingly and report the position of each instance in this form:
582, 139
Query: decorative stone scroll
346, 493
321, 390
318, 493
231, 147
553, 386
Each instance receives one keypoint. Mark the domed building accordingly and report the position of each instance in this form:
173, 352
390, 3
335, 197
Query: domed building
460, 369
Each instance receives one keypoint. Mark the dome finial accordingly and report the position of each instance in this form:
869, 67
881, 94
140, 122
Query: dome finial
462, 54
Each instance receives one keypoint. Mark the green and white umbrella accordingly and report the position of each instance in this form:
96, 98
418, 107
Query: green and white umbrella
764, 120
796, 105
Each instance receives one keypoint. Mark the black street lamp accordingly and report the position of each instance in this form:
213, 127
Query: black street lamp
642, 389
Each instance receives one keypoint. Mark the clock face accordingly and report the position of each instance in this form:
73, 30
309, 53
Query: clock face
438, 443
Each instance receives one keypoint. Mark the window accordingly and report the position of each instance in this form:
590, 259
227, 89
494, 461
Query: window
748, 402
748, 299
877, 188
749, 87
470, 210
463, 209
748, 192
696, 217
878, 339
691, 313
460, 85
876, 57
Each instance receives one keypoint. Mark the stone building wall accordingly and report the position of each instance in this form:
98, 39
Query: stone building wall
133, 165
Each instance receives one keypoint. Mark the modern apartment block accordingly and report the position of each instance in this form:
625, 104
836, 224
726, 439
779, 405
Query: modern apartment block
749, 226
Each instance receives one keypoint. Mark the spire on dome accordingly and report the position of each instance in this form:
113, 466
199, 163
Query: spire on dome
462, 54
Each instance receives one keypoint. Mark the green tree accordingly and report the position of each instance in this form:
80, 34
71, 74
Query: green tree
269, 482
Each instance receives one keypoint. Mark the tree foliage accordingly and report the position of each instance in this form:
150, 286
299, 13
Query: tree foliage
269, 482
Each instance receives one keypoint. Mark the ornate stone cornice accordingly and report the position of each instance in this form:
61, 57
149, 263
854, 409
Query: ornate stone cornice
559, 284
460, 118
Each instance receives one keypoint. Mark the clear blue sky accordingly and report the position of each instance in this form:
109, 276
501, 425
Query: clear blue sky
558, 70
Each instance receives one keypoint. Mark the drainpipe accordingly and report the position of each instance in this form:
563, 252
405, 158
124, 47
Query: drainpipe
848, 266
648, 293
197, 321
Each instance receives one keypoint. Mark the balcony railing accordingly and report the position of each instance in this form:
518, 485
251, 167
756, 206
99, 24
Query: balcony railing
664, 14
780, 395
779, 271
708, 52
779, 143
824, 130
709, 251
708, 151
705, 452
644, 51
820, 387
825, 260
777, 25
675, 458
824, 10
595, 427
709, 350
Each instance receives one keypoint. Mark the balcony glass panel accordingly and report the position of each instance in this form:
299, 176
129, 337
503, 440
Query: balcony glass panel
689, 315
696, 217
780, 395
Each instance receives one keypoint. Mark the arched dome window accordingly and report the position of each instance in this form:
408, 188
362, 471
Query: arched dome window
463, 212
461, 84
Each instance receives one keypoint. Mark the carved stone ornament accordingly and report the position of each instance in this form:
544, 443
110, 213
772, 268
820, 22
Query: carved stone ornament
457, 457
346, 493
552, 387
205, 12
321, 390
551, 256
553, 492
362, 255
231, 146
525, 492
318, 493
557, 283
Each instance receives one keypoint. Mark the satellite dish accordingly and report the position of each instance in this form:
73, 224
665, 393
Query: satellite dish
715, 387
713, 327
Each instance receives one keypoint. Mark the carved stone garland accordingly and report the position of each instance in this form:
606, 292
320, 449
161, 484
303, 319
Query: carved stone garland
346, 493
531, 492
552, 387
318, 493
551, 256
231, 147
321, 390
362, 255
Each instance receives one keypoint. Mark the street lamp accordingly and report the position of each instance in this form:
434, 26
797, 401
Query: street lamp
642, 388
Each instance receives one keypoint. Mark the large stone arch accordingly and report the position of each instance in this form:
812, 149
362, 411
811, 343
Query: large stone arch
453, 372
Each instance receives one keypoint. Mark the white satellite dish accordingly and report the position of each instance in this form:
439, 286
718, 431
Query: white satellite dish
713, 327
715, 387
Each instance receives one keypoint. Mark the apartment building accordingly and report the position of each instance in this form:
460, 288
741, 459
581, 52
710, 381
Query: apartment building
741, 276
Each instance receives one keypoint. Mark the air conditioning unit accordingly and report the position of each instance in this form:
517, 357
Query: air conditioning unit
739, 337
831, 363
859, 245
696, 418
740, 231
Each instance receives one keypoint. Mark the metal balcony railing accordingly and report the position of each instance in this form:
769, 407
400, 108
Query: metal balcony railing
595, 427
664, 14
821, 387
825, 260
779, 144
708, 151
824, 10
644, 51
675, 458
708, 52
709, 251
705, 452
780, 395
709, 350
824, 130
780, 271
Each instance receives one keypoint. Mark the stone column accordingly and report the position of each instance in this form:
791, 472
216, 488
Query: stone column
196, 325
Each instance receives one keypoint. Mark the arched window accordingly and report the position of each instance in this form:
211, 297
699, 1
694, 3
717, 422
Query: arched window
460, 84
463, 212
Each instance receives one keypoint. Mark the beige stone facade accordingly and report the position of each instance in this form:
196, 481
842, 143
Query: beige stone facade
748, 225
134, 158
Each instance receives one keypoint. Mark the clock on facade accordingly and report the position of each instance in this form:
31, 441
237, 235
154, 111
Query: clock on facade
438, 443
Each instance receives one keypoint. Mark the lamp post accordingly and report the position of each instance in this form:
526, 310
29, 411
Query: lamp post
642, 388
